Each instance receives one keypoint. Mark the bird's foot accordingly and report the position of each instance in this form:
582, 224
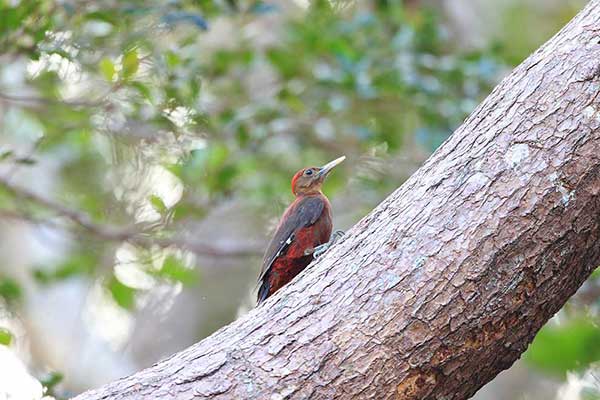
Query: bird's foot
320, 250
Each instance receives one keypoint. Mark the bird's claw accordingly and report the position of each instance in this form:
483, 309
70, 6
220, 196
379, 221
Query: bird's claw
321, 249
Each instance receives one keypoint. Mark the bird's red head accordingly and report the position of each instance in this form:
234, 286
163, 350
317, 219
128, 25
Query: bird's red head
309, 180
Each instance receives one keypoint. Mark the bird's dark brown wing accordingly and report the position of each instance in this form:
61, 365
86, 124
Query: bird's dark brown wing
301, 213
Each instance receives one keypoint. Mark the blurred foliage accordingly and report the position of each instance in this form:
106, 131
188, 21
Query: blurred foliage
571, 341
76, 264
518, 46
570, 346
590, 393
50, 381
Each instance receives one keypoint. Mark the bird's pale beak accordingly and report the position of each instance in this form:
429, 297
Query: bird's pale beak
325, 169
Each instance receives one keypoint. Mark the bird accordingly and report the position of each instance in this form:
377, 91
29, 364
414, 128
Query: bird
303, 232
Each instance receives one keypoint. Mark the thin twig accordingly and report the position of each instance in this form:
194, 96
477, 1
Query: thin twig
42, 100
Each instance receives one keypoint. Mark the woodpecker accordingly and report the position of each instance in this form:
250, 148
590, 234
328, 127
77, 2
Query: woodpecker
303, 232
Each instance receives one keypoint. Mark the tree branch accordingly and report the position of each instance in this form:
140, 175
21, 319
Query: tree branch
130, 234
447, 281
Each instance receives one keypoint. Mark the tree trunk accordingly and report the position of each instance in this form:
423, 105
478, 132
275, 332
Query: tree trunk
447, 281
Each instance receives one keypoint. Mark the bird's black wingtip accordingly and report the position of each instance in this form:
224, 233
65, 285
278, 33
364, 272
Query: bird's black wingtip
263, 292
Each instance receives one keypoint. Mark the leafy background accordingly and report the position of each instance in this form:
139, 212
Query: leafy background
146, 149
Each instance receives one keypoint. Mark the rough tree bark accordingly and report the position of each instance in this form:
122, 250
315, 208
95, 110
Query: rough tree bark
446, 282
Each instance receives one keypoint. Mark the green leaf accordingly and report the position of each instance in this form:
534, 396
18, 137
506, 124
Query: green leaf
175, 169
143, 89
158, 204
51, 379
78, 264
105, 15
184, 210
10, 290
172, 59
6, 337
573, 345
107, 68
130, 63
122, 294
174, 270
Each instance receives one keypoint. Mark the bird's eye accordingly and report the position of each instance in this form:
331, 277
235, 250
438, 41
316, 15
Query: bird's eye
308, 172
